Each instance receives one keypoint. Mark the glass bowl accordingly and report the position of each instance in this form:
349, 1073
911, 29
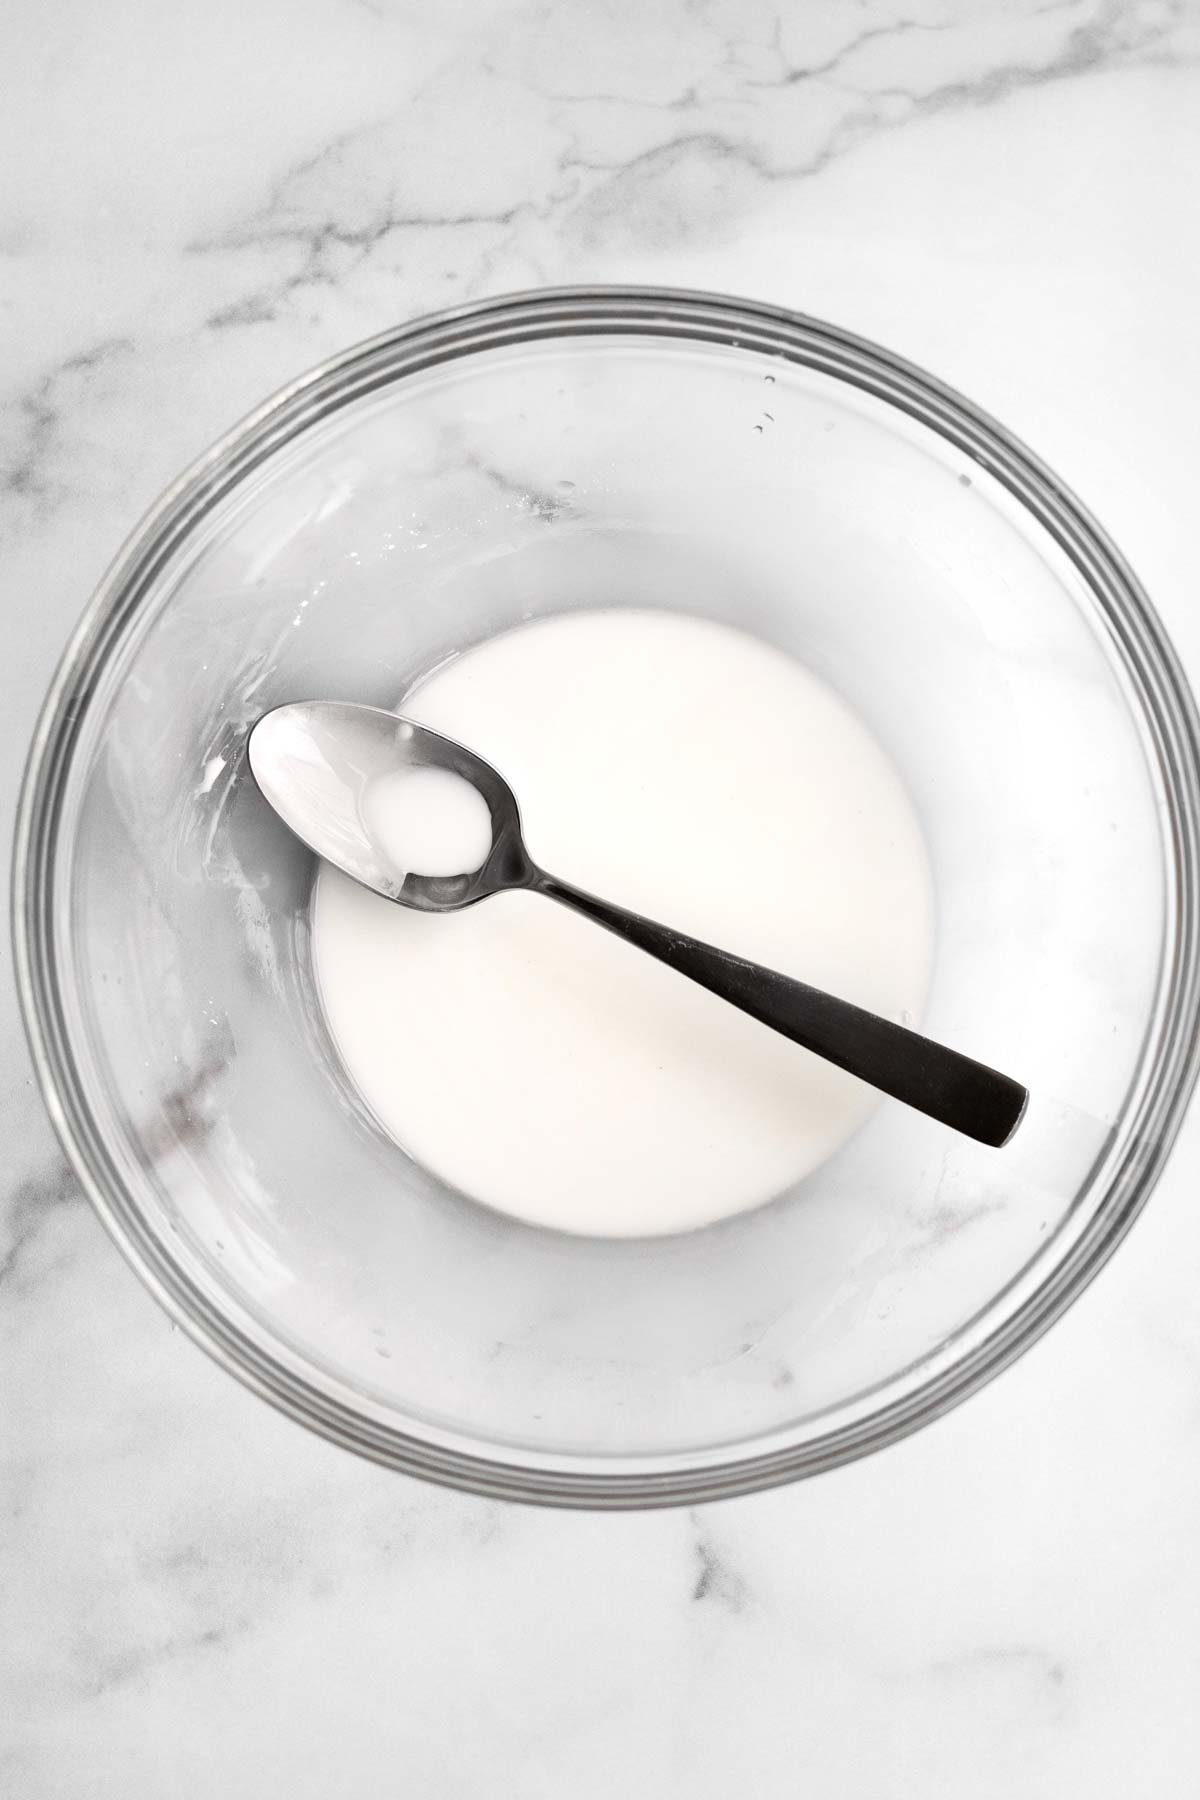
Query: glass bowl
446, 481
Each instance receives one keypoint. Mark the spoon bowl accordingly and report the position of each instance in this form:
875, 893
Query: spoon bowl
314, 761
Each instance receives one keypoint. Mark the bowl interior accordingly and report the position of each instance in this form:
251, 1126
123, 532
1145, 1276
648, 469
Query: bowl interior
420, 513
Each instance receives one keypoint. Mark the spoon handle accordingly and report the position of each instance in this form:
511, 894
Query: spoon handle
957, 1091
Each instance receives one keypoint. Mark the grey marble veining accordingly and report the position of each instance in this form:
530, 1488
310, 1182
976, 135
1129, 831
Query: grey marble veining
197, 1598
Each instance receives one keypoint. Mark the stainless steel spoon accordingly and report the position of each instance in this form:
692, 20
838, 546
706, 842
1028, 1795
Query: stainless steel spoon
313, 762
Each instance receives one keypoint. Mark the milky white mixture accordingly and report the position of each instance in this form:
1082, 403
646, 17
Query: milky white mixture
689, 772
428, 821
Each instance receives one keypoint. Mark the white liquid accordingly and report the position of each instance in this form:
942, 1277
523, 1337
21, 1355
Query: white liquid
542, 1066
428, 821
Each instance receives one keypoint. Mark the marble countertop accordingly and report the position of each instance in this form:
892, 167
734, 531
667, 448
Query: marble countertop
198, 1599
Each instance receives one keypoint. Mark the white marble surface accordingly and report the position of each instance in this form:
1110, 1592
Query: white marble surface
198, 1599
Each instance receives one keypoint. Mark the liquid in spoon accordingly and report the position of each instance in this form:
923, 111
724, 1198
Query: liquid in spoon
427, 821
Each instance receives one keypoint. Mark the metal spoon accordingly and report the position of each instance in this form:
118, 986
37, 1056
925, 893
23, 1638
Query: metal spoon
313, 762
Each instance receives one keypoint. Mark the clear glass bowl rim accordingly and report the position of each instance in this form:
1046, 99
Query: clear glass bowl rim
1170, 714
